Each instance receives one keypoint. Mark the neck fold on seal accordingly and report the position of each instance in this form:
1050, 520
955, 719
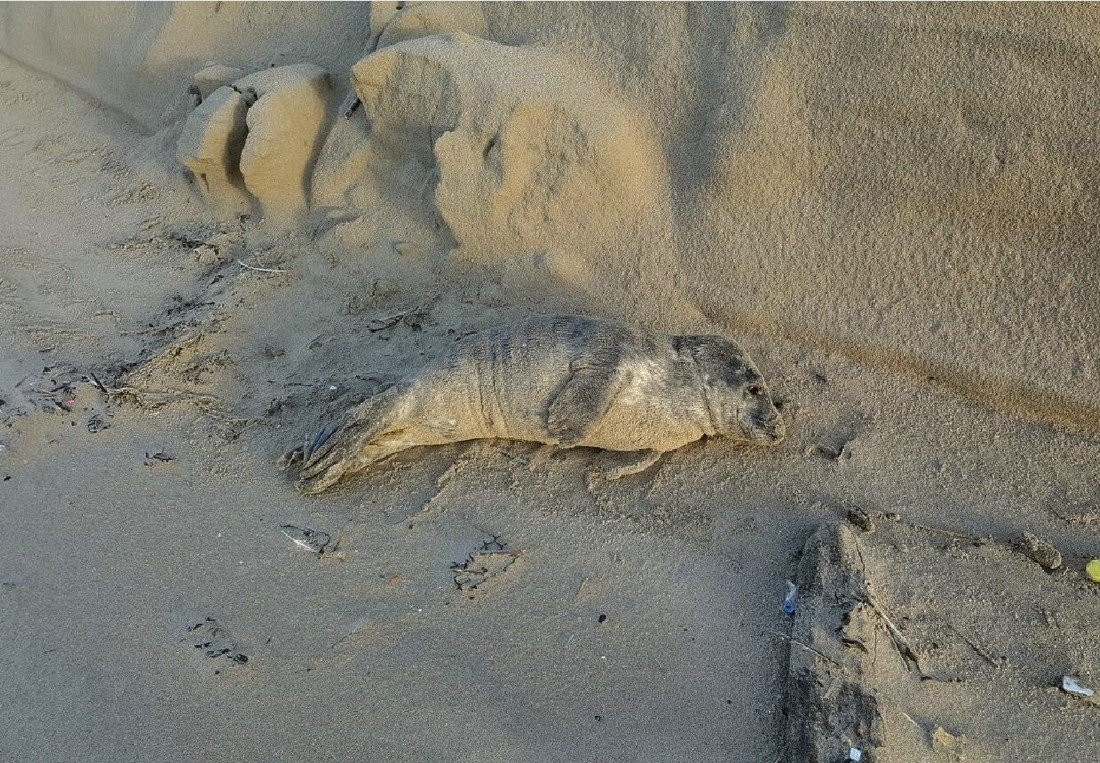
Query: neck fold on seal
707, 422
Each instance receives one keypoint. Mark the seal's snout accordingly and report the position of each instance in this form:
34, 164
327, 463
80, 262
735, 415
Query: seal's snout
775, 429
771, 429
764, 423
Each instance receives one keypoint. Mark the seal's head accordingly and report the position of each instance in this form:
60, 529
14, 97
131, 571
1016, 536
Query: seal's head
734, 392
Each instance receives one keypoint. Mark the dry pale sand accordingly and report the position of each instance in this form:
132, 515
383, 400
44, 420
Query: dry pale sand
892, 207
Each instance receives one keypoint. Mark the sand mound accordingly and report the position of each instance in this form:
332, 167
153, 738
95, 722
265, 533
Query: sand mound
426, 19
258, 137
139, 58
520, 147
210, 146
285, 125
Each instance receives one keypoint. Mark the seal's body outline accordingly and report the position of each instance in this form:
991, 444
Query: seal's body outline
563, 380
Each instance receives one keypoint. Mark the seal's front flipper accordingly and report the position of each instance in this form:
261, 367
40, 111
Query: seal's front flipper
580, 403
643, 460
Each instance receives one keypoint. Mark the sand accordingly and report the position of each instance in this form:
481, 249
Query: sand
891, 207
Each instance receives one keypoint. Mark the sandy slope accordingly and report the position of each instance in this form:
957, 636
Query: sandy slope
115, 564
910, 185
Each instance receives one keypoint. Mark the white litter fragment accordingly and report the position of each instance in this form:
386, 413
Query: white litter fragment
855, 754
246, 266
1072, 685
306, 539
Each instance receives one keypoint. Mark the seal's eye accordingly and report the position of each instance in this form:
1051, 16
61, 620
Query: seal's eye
755, 390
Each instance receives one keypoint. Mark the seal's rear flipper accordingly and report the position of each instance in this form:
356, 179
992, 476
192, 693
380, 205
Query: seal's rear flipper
354, 444
292, 457
302, 453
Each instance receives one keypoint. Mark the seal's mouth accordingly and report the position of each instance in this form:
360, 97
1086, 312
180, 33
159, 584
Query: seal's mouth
774, 436
767, 428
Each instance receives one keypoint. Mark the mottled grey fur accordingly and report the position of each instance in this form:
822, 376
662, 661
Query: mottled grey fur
563, 380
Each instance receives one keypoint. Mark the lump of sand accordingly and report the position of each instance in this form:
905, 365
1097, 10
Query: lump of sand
517, 147
210, 146
285, 125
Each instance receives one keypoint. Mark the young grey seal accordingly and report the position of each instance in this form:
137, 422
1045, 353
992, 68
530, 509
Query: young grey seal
562, 380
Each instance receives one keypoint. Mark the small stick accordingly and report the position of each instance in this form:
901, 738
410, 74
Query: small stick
259, 270
425, 508
941, 531
899, 639
158, 329
380, 324
807, 647
98, 383
169, 395
908, 717
970, 642
900, 642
